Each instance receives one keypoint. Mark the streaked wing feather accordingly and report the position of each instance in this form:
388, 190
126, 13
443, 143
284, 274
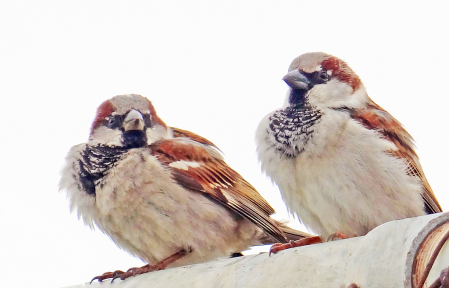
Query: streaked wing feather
216, 179
177, 133
375, 117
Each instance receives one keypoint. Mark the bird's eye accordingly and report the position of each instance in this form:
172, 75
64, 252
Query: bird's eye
112, 122
323, 75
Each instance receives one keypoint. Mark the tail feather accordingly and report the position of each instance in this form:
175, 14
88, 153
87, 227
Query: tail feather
294, 235
290, 233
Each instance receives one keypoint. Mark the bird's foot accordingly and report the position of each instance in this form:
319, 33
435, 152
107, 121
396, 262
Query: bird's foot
106, 276
339, 236
302, 242
137, 271
144, 269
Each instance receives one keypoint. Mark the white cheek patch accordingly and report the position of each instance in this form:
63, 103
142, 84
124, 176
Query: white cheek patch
329, 72
106, 135
156, 133
184, 165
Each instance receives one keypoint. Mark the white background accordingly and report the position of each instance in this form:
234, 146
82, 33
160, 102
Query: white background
212, 67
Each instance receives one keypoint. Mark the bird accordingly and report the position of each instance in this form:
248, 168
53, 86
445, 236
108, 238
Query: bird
161, 193
343, 164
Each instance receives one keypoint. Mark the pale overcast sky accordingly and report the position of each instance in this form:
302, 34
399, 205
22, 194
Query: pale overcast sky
212, 67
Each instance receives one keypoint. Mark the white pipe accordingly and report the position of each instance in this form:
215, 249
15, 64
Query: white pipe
383, 258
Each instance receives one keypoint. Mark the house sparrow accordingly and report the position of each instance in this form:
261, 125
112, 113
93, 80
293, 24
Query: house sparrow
163, 194
342, 163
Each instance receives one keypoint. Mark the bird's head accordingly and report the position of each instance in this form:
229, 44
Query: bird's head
128, 121
322, 80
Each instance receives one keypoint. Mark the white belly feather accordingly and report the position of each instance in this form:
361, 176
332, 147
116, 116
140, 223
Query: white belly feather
147, 214
344, 180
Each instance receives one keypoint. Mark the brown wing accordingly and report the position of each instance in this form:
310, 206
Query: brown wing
374, 117
195, 168
187, 134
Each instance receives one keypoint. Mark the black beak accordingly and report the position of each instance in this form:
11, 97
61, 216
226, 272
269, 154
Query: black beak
297, 80
133, 121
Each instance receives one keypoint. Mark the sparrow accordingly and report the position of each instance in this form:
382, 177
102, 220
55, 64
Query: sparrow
342, 163
163, 194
